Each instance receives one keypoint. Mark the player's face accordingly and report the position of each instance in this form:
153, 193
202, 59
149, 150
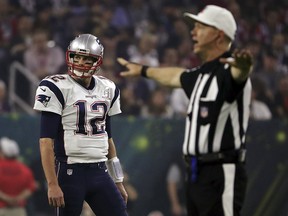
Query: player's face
83, 62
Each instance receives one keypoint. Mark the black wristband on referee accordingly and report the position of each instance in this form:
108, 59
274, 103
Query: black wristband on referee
144, 71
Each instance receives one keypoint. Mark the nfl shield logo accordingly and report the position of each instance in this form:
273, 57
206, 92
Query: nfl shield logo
203, 112
69, 171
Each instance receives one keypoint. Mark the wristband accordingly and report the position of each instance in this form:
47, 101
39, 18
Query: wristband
115, 169
144, 71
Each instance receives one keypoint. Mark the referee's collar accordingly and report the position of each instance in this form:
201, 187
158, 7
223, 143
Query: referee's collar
208, 66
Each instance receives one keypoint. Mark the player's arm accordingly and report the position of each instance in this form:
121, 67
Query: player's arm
241, 64
111, 148
168, 76
55, 194
49, 128
115, 169
113, 164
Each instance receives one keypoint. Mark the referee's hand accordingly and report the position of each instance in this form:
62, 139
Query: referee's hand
241, 64
55, 196
133, 69
242, 59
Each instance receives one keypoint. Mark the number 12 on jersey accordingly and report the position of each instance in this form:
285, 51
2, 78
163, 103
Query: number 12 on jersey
91, 125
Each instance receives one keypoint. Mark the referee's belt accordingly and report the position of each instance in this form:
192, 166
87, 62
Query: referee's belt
233, 156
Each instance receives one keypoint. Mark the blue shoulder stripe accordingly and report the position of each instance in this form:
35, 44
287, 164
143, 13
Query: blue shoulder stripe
117, 91
54, 89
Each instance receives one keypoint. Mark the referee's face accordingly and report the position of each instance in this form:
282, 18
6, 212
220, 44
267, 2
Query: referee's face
204, 38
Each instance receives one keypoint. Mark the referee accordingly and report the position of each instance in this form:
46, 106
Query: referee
217, 117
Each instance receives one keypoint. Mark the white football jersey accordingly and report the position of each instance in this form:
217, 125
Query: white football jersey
83, 114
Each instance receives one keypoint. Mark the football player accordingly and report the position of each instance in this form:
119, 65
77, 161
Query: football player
77, 150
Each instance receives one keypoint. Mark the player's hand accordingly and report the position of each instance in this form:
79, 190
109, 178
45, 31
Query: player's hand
133, 68
122, 190
55, 196
242, 59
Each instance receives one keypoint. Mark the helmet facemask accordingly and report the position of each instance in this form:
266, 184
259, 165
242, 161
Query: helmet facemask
84, 45
82, 71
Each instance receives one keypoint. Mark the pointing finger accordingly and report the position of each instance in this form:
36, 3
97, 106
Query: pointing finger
122, 61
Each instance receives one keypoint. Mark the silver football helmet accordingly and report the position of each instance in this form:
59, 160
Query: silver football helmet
88, 45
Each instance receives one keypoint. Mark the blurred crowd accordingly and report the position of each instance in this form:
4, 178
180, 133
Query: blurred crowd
37, 33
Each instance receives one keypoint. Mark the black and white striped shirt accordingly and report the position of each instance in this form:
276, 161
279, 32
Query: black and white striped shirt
218, 111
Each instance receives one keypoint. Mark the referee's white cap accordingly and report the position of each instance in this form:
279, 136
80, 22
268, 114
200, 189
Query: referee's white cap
217, 17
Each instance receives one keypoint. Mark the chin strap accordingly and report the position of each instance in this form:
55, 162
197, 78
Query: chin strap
115, 169
82, 74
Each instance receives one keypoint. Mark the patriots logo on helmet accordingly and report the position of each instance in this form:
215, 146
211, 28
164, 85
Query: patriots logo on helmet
44, 99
